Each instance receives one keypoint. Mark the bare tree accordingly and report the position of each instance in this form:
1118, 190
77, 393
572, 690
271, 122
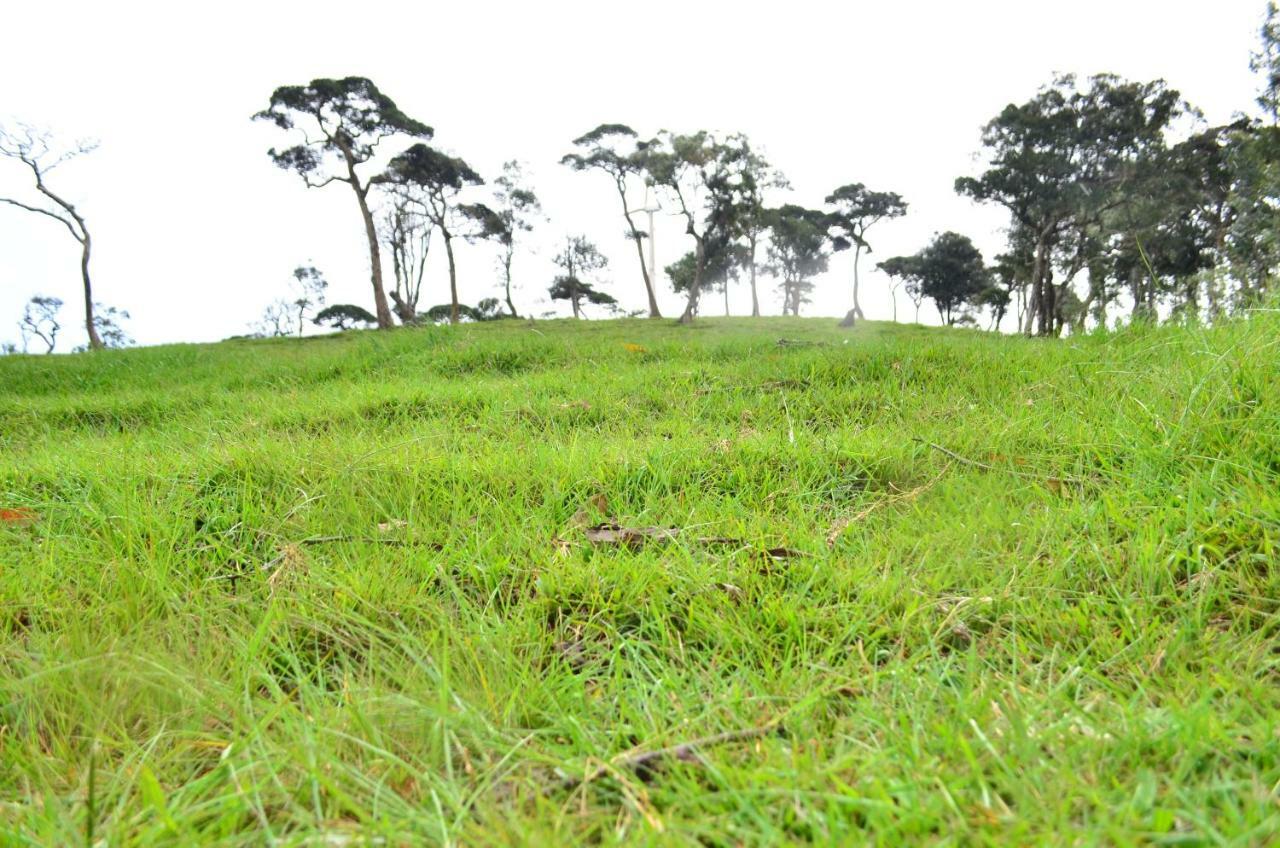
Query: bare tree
40, 320
33, 149
407, 233
276, 320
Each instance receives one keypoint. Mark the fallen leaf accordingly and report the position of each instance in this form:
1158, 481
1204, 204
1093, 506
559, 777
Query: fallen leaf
562, 547
392, 524
20, 516
582, 517
1054, 485
783, 553
635, 348
609, 533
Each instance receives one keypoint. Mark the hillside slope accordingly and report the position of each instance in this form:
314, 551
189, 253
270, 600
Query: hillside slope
906, 583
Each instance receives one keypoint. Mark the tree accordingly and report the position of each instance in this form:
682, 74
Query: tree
1267, 62
40, 320
995, 298
275, 321
615, 150
724, 258
905, 269
344, 316
797, 251
1065, 160
704, 178
579, 259
950, 272
407, 234
310, 286
747, 175
518, 208
33, 149
432, 180
488, 309
350, 118
858, 209
108, 321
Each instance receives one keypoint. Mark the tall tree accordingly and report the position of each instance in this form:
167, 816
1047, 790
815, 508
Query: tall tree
797, 251
33, 149
858, 209
40, 320
342, 122
752, 177
1068, 156
703, 177
616, 150
517, 208
579, 260
433, 180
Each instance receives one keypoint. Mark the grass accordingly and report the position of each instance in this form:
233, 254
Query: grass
1071, 634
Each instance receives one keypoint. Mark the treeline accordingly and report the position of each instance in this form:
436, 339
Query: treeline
1122, 204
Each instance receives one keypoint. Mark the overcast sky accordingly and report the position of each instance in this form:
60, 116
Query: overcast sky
195, 231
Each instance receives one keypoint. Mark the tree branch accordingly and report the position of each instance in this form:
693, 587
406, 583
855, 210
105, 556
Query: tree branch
55, 216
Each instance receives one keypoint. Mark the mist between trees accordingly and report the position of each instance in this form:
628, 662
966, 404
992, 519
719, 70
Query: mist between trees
1123, 205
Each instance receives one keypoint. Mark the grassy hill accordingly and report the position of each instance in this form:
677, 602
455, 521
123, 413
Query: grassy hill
896, 583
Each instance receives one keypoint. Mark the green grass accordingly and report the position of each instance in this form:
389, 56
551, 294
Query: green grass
207, 638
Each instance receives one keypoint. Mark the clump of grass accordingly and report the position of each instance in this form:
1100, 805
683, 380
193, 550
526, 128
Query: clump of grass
339, 589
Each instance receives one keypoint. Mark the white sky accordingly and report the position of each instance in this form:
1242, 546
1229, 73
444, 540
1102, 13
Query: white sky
195, 230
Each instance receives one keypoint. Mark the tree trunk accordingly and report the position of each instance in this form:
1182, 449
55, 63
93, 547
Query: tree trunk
857, 254
453, 277
1036, 305
726, 298
95, 341
375, 255
506, 268
695, 289
755, 299
635, 236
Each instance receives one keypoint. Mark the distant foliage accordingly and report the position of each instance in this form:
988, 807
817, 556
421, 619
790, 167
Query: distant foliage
40, 322
344, 316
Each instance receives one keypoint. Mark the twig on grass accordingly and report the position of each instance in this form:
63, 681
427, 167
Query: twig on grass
843, 524
1043, 478
685, 752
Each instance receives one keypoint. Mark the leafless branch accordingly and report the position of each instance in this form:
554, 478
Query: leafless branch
55, 216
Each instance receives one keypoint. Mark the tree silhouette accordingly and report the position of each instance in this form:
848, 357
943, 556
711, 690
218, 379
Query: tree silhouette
615, 150
342, 122
33, 149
